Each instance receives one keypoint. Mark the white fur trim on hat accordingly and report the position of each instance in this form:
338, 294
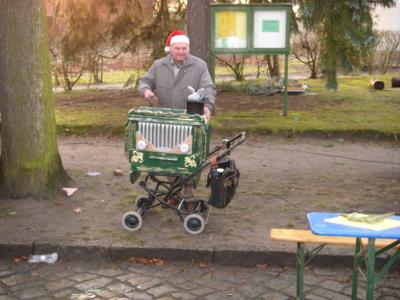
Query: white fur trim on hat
180, 39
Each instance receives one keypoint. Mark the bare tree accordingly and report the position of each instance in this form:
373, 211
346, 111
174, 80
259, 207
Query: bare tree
273, 66
260, 62
67, 41
30, 164
81, 35
306, 49
388, 45
234, 63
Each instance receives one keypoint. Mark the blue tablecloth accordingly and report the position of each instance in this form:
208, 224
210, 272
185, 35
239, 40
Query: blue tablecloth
319, 226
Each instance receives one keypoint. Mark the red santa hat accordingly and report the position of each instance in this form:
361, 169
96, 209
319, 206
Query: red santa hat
176, 36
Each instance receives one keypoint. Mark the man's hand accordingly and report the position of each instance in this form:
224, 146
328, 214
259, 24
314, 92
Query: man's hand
206, 114
148, 95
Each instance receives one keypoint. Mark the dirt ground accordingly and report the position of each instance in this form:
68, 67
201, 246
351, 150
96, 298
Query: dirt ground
281, 180
226, 101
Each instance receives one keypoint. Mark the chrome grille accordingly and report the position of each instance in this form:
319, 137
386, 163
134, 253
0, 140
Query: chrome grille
164, 136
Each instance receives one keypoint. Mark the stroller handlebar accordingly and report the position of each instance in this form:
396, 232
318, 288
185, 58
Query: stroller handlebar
218, 152
228, 144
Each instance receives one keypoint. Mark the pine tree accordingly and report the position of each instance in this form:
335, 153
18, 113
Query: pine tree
345, 30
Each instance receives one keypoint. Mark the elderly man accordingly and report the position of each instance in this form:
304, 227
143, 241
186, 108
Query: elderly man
169, 77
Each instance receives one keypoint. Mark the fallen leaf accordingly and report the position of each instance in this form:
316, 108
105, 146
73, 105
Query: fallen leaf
118, 172
262, 266
158, 262
18, 259
146, 261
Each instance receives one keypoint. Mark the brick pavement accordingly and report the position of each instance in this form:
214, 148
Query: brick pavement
175, 280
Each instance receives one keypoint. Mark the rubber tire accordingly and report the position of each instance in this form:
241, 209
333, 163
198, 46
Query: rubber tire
199, 226
133, 217
140, 201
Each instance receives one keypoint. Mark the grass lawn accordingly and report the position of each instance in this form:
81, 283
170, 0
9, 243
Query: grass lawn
356, 109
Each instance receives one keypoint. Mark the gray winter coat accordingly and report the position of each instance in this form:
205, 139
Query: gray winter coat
173, 92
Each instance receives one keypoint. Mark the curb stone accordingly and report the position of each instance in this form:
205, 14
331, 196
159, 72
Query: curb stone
234, 257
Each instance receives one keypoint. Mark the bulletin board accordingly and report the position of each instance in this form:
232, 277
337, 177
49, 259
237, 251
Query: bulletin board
251, 29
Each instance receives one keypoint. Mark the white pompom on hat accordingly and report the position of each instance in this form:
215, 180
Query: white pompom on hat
177, 36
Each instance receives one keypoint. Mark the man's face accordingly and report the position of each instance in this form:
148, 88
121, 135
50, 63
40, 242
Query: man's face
179, 51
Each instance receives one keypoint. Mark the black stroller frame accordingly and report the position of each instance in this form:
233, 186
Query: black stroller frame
168, 192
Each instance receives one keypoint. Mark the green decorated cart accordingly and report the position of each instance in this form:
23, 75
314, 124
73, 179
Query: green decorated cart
165, 141
170, 147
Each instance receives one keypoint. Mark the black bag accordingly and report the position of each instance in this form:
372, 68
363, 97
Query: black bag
223, 184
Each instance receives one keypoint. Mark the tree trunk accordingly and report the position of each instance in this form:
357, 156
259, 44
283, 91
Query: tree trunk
330, 57
198, 25
55, 74
313, 68
273, 66
313, 74
30, 164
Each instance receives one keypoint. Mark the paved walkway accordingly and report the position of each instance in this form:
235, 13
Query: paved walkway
126, 280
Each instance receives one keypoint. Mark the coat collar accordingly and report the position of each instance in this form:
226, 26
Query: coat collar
167, 60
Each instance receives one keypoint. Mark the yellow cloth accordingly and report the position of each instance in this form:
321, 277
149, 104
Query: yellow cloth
378, 226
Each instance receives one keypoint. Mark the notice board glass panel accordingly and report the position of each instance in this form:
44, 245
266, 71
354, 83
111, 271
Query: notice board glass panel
231, 29
270, 29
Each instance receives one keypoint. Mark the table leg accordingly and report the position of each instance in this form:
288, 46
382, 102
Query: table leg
370, 268
356, 266
300, 271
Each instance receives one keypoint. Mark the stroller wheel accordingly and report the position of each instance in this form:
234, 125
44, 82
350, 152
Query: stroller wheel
131, 221
194, 224
142, 202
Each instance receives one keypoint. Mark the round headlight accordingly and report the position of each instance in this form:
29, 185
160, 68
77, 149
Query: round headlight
184, 148
141, 145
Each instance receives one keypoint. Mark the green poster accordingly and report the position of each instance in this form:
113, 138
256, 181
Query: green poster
270, 26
